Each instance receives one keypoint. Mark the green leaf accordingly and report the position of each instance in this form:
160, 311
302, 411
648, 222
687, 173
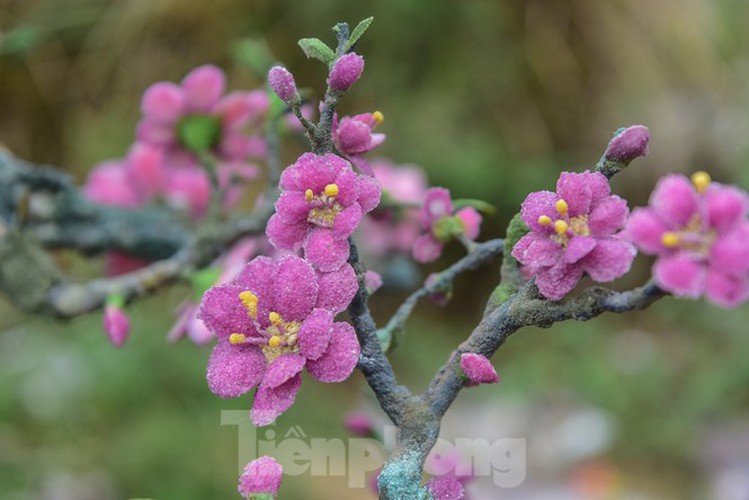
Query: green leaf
358, 32
315, 48
202, 280
480, 205
116, 300
255, 54
199, 133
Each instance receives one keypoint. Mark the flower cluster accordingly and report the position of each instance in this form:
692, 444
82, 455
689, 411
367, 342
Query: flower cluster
442, 224
572, 232
700, 233
274, 320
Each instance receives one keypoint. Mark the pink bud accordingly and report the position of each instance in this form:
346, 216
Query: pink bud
346, 71
116, 325
282, 83
372, 281
358, 423
163, 102
261, 476
478, 369
630, 143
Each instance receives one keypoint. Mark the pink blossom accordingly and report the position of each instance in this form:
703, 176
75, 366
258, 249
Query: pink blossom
261, 476
358, 423
478, 369
282, 82
700, 233
574, 231
321, 204
116, 325
628, 144
394, 227
446, 487
443, 224
274, 320
372, 281
346, 71
353, 135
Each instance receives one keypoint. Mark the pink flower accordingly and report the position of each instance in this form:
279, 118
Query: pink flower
372, 281
353, 135
478, 369
261, 476
274, 320
441, 225
321, 204
446, 487
359, 424
700, 233
116, 325
573, 231
282, 83
390, 227
346, 71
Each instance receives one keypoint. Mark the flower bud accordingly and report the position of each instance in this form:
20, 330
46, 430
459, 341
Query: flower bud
116, 324
629, 143
359, 424
478, 369
262, 476
282, 82
346, 71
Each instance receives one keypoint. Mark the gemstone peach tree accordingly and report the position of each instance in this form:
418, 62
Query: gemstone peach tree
270, 280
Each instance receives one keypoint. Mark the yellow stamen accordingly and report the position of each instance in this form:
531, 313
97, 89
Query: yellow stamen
274, 318
701, 181
378, 117
544, 220
561, 227
562, 207
249, 301
236, 338
331, 190
308, 195
274, 341
670, 239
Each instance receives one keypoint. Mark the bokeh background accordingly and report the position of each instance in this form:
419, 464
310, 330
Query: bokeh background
492, 98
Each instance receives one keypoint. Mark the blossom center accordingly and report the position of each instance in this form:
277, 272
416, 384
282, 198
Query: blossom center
692, 238
279, 338
324, 207
565, 227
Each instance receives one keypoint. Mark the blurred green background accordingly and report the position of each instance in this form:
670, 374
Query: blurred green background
492, 98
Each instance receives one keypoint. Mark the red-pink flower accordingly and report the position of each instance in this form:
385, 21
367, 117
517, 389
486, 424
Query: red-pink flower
354, 135
262, 476
442, 225
321, 204
274, 320
700, 233
573, 232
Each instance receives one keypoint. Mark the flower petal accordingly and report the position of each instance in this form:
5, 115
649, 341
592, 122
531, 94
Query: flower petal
537, 250
608, 216
347, 221
163, 102
326, 252
471, 219
437, 204
261, 476
575, 189
674, 200
294, 288
314, 335
311, 171
578, 247
726, 206
537, 204
426, 248
234, 370
730, 253
645, 229
369, 193
348, 186
223, 312
559, 280
203, 87
270, 402
680, 274
281, 369
337, 289
293, 207
285, 235
609, 260
339, 360
726, 291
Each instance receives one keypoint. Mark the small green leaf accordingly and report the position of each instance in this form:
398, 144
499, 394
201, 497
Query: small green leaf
255, 54
316, 48
199, 133
358, 32
202, 280
480, 205
116, 300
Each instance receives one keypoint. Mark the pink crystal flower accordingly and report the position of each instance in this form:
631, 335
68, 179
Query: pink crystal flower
274, 320
116, 325
262, 476
442, 225
700, 233
195, 116
574, 231
353, 135
321, 205
478, 369
346, 71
